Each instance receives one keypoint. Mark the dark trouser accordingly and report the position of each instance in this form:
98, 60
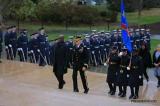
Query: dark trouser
11, 53
42, 60
22, 56
123, 89
60, 78
134, 90
83, 78
145, 73
112, 87
158, 77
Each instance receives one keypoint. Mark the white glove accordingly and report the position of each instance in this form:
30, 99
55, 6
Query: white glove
31, 51
38, 50
120, 54
140, 77
92, 52
127, 75
128, 68
10, 45
105, 64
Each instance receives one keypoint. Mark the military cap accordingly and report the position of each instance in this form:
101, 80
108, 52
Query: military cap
114, 48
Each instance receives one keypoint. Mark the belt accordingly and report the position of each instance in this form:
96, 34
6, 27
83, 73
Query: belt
107, 44
112, 63
123, 66
134, 67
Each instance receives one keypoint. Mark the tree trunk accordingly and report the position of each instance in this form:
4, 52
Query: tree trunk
140, 8
18, 22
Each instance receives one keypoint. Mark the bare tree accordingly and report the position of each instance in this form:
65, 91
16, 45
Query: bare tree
140, 7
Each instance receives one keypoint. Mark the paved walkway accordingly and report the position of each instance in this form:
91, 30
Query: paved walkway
25, 84
156, 37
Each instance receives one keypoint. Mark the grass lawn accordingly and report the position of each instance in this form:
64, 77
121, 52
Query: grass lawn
154, 44
147, 17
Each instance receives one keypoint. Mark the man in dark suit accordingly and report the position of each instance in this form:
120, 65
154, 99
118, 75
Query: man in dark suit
80, 63
60, 60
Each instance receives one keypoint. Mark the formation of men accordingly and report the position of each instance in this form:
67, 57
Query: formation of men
93, 49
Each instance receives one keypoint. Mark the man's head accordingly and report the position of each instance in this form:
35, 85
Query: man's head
158, 48
114, 49
13, 28
124, 51
61, 38
42, 31
77, 40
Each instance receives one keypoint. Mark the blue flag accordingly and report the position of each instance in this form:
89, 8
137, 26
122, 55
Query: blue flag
124, 26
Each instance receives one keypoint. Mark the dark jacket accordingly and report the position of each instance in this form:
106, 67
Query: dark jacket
122, 74
114, 67
146, 58
60, 58
80, 57
136, 71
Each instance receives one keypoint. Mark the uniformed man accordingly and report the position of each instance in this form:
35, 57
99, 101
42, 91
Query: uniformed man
60, 60
114, 65
80, 63
122, 75
22, 45
146, 59
11, 42
6, 41
32, 48
135, 69
42, 47
1, 41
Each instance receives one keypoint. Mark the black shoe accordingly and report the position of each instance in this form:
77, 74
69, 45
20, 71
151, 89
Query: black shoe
135, 97
158, 86
147, 80
112, 93
75, 90
61, 85
86, 90
131, 96
123, 95
42, 65
120, 93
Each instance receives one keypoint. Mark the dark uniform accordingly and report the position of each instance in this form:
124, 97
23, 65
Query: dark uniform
122, 75
114, 66
1, 40
146, 59
32, 49
22, 45
60, 61
80, 60
135, 74
42, 48
11, 43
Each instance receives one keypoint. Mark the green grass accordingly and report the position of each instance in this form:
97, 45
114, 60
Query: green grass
147, 17
154, 44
